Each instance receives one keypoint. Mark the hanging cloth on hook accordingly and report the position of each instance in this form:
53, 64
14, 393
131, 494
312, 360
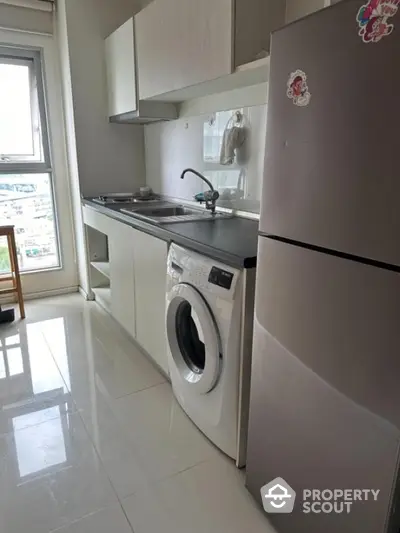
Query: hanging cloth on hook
233, 138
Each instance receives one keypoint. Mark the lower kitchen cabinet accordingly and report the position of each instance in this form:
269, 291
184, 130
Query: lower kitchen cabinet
150, 289
121, 245
129, 272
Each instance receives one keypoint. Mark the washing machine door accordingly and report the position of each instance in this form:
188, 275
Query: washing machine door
193, 338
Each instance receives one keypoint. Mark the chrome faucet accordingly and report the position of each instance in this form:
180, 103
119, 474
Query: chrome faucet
210, 196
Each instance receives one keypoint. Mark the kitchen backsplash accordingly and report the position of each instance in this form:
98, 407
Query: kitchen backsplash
196, 142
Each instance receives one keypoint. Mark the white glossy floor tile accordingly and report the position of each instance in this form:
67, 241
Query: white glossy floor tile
209, 497
32, 389
87, 421
110, 520
119, 455
164, 438
47, 308
50, 475
144, 437
95, 353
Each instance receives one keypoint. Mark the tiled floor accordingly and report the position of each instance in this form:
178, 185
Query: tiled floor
92, 440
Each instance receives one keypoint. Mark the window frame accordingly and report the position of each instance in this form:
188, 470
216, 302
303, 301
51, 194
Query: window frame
35, 58
65, 182
31, 57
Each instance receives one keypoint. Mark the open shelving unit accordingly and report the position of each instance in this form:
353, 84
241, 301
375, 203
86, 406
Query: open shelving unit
103, 267
99, 266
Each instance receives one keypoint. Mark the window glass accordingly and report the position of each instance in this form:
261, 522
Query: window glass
26, 201
26, 191
20, 138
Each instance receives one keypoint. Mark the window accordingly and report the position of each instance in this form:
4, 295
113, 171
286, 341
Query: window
229, 180
26, 174
213, 134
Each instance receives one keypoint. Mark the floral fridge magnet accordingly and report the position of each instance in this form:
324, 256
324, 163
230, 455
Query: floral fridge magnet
297, 88
374, 19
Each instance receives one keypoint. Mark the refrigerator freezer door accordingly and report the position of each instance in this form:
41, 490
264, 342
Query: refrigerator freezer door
325, 395
332, 173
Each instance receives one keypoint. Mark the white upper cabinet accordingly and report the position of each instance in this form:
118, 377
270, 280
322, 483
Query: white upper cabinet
183, 43
296, 9
123, 103
186, 43
121, 70
254, 22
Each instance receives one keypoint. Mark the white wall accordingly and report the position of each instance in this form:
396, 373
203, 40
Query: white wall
22, 18
109, 156
80, 240
102, 157
173, 146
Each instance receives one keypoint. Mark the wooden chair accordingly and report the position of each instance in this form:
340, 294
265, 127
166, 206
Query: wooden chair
14, 276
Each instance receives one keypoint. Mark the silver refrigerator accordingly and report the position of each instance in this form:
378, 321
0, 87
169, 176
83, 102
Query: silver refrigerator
325, 390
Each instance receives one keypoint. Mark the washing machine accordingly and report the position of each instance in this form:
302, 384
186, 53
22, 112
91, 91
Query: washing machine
204, 325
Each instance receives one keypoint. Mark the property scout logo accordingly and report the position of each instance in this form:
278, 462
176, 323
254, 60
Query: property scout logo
279, 497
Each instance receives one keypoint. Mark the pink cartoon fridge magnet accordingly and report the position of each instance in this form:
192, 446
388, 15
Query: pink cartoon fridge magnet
372, 19
297, 88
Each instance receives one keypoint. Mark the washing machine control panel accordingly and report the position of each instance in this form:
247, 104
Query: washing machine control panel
220, 277
207, 275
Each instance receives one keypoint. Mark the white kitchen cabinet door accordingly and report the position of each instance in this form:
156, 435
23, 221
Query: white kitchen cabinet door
254, 22
181, 43
122, 279
150, 284
121, 70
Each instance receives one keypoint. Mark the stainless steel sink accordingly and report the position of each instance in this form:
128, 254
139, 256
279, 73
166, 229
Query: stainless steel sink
170, 213
161, 212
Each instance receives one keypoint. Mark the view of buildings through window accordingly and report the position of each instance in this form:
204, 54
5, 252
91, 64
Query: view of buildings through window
26, 199
26, 202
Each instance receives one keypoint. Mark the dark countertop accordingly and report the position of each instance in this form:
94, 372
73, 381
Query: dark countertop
232, 241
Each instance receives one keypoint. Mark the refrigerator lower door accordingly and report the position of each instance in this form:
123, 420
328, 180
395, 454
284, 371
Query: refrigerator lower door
325, 394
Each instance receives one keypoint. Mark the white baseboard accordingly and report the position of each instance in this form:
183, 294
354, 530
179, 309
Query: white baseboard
88, 297
49, 294
41, 294
31, 4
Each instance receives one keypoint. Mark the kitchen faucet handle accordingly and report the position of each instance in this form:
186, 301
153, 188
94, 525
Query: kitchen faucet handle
211, 196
